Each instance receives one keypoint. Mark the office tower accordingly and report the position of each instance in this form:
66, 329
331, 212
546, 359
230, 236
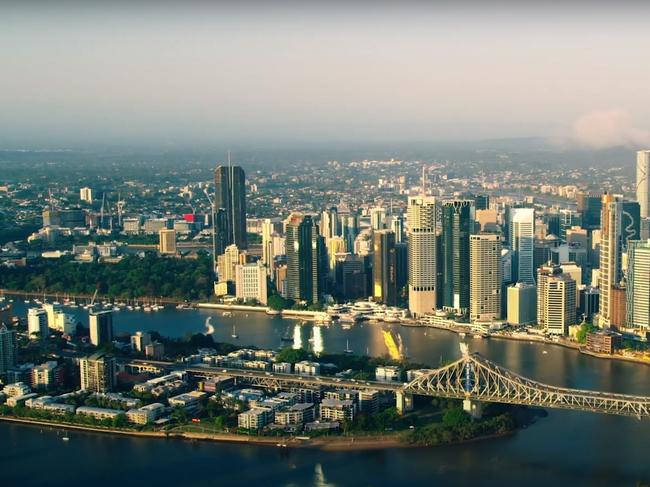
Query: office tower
556, 300
590, 207
349, 230
575, 271
7, 349
329, 223
230, 196
384, 267
86, 194
457, 225
422, 269
589, 297
37, 324
567, 219
101, 327
335, 246
630, 222
522, 304
268, 254
167, 241
377, 217
97, 373
51, 310
303, 280
643, 182
521, 228
397, 226
351, 276
485, 277
227, 262
401, 265
610, 255
140, 340
481, 201
638, 282
250, 282
543, 250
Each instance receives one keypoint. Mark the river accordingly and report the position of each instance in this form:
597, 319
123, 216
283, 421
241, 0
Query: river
564, 449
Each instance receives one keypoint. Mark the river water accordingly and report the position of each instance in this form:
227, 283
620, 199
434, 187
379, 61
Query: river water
564, 449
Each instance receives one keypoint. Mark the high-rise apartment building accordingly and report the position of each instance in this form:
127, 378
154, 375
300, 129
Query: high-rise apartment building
521, 231
457, 225
167, 241
349, 230
101, 327
86, 194
377, 218
227, 262
422, 270
7, 350
37, 324
610, 256
230, 197
302, 247
384, 267
485, 277
643, 182
638, 285
556, 300
97, 373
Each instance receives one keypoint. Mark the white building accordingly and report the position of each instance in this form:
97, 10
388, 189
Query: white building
337, 410
307, 368
638, 285
522, 304
388, 373
37, 324
250, 282
421, 219
253, 419
140, 340
522, 237
643, 182
86, 194
146, 414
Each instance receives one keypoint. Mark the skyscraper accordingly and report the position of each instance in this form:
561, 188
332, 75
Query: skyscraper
349, 230
457, 225
638, 285
7, 349
556, 300
101, 327
422, 269
521, 231
485, 277
167, 241
302, 244
329, 223
37, 324
268, 255
630, 222
377, 218
643, 182
230, 196
384, 267
610, 256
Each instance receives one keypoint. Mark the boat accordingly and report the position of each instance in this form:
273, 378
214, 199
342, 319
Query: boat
227, 314
544, 352
234, 332
272, 312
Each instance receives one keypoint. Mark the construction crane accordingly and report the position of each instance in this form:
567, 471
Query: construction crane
92, 301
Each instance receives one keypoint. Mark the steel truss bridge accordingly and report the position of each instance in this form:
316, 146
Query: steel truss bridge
472, 378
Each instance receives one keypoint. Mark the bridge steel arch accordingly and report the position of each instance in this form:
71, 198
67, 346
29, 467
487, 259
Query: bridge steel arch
476, 378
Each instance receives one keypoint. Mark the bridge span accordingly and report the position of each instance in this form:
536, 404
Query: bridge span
472, 378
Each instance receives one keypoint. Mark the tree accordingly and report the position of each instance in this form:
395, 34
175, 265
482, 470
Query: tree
278, 303
455, 418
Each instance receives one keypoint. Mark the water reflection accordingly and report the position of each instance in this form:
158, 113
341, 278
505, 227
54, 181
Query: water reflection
297, 337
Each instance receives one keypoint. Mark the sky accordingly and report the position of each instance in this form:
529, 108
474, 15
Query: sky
205, 72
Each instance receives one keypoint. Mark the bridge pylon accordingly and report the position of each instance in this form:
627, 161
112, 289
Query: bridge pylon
403, 402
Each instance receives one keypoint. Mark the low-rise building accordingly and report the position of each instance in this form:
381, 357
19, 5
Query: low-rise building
146, 414
190, 401
369, 401
282, 368
603, 341
295, 415
16, 389
46, 375
388, 373
99, 413
14, 401
253, 419
337, 410
307, 368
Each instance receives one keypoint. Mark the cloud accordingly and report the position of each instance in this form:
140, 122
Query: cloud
609, 128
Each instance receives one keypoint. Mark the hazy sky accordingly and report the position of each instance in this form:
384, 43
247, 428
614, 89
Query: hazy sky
314, 71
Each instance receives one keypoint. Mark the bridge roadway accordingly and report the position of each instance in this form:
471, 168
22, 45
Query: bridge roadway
472, 378
273, 380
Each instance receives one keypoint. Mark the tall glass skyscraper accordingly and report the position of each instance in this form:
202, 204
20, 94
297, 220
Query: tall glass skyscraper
457, 226
230, 207
303, 259
384, 267
610, 256
521, 232
638, 284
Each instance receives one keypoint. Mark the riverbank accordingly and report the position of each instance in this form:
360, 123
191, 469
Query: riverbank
99, 297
